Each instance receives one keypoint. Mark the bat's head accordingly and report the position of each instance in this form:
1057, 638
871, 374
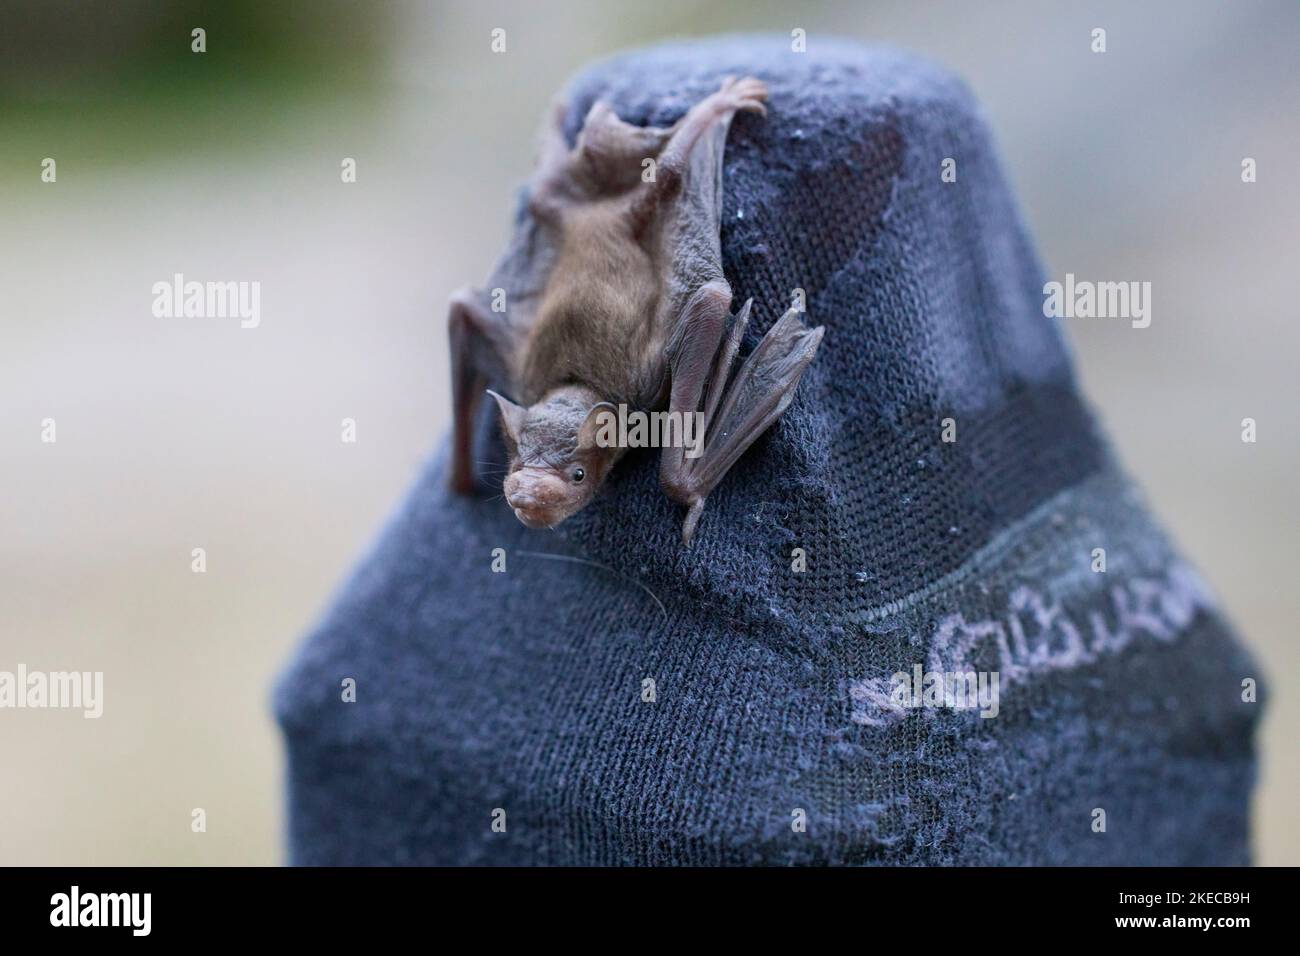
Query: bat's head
556, 459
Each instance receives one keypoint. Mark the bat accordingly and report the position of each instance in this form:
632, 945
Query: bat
617, 299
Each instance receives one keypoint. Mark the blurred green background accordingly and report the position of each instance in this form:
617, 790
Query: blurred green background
175, 434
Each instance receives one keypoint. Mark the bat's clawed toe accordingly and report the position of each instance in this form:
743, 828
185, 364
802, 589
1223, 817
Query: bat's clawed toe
745, 94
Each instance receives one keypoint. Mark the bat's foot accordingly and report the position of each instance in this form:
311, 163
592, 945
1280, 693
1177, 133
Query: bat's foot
746, 94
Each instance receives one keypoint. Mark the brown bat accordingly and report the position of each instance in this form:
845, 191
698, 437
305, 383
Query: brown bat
615, 297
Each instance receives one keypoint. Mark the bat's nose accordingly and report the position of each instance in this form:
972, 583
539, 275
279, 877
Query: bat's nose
526, 488
535, 496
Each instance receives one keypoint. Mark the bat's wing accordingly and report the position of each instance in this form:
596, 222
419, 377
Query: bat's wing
480, 348
692, 234
757, 395
700, 350
737, 410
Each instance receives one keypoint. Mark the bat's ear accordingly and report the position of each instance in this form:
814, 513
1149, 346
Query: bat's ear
512, 415
603, 415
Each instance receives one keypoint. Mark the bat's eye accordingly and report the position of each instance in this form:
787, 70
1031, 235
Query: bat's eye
577, 475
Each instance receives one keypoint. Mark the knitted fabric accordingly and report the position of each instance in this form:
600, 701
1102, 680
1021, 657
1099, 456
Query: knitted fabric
611, 698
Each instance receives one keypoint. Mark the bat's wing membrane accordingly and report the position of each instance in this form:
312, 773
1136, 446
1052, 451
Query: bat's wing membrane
755, 397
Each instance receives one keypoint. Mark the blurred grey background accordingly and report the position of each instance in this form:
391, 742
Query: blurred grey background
175, 433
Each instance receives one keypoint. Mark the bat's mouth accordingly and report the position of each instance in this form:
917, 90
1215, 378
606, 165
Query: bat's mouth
536, 519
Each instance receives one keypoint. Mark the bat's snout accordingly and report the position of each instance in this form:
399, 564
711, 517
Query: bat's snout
539, 498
